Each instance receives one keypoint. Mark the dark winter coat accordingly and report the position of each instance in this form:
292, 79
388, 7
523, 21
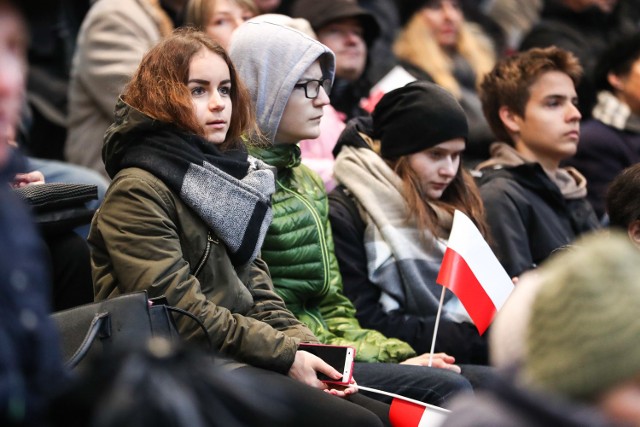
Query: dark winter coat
603, 153
528, 216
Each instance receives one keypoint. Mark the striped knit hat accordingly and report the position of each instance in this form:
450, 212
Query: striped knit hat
583, 336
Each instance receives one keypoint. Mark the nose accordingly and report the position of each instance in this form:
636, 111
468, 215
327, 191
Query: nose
448, 167
322, 99
573, 114
12, 81
352, 37
215, 102
236, 22
449, 11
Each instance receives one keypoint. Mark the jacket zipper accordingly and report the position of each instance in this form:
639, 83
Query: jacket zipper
205, 256
323, 243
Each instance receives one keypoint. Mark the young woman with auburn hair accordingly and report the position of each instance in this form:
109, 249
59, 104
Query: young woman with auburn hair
153, 89
401, 180
185, 217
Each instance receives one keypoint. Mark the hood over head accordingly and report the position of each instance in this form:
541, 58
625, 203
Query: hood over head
270, 59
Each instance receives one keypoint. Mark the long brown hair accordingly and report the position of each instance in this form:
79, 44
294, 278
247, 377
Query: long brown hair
159, 86
461, 194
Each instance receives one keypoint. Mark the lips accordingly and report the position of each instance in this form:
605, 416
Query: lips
573, 134
217, 124
439, 185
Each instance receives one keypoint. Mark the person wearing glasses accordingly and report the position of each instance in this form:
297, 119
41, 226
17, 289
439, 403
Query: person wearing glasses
289, 76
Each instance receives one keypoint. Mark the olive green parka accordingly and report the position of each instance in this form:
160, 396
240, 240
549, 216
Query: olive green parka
144, 237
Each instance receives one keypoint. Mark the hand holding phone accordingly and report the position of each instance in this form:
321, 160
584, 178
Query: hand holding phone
341, 358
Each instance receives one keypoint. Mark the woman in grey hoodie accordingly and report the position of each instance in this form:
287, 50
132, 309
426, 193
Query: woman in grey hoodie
289, 75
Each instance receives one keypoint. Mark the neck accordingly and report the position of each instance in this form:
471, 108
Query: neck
550, 165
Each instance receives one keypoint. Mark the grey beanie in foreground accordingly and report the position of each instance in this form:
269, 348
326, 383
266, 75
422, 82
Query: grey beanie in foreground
582, 337
415, 117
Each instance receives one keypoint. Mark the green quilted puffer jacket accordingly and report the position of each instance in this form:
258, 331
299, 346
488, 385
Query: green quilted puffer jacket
299, 251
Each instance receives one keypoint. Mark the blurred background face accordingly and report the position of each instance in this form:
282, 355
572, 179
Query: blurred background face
622, 402
628, 87
345, 38
225, 17
443, 18
606, 6
13, 45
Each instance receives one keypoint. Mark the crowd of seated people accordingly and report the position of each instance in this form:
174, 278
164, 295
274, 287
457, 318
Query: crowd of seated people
288, 171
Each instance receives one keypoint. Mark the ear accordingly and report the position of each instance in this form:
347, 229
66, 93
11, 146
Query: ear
614, 81
633, 230
509, 118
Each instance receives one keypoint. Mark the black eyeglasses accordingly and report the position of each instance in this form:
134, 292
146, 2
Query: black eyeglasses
312, 87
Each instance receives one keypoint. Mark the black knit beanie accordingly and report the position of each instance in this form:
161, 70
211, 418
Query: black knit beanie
407, 8
415, 117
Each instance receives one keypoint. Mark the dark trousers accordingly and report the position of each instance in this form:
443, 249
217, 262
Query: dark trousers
295, 404
429, 385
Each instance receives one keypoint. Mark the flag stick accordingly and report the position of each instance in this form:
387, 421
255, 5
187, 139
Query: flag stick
435, 329
398, 396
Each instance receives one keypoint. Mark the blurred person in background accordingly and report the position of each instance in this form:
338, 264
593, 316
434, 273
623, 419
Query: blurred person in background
610, 140
113, 38
31, 370
219, 18
436, 43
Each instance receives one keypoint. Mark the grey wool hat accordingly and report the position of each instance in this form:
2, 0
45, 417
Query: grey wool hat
582, 335
415, 117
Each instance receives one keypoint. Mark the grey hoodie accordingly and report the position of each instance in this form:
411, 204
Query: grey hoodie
270, 59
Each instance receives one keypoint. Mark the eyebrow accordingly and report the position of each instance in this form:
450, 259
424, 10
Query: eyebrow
559, 97
206, 82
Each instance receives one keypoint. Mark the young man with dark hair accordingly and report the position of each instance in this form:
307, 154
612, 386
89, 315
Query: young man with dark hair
533, 205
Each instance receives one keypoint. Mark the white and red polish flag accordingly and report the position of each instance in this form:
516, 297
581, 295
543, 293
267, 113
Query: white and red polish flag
473, 273
407, 412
